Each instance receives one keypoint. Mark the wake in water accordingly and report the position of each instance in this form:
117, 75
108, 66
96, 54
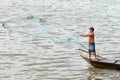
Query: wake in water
37, 27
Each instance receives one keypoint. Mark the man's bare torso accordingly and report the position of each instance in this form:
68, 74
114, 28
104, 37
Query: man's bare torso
91, 38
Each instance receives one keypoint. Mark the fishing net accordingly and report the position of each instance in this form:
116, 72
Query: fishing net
38, 27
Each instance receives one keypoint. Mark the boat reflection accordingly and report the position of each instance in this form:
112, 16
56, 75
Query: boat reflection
100, 74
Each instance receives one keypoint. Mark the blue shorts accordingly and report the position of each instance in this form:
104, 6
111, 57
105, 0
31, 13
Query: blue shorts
91, 46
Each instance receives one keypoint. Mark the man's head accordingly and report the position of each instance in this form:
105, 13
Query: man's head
91, 29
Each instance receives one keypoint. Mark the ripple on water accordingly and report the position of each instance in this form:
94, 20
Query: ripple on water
24, 57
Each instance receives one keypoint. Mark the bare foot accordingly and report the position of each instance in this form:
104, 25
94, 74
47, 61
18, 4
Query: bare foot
96, 59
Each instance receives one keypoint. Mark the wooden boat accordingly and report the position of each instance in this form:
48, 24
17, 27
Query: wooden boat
103, 63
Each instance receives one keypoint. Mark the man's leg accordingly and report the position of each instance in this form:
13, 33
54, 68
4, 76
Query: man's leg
95, 55
89, 55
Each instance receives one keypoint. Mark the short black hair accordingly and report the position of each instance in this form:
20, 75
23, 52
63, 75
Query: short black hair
91, 28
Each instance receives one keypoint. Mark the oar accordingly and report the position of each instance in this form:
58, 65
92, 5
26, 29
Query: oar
92, 54
83, 50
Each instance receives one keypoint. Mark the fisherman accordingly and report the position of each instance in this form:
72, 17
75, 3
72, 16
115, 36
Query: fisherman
91, 42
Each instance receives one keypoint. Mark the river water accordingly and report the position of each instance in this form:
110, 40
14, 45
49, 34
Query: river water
24, 57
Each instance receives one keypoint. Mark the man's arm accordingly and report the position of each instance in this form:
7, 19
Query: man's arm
86, 35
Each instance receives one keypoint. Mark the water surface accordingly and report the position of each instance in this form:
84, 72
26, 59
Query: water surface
24, 57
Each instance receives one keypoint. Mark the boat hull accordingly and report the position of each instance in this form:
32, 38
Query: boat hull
103, 63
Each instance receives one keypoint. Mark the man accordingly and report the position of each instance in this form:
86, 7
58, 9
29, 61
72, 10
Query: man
91, 42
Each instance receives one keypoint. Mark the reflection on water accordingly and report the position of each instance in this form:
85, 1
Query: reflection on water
24, 57
100, 74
